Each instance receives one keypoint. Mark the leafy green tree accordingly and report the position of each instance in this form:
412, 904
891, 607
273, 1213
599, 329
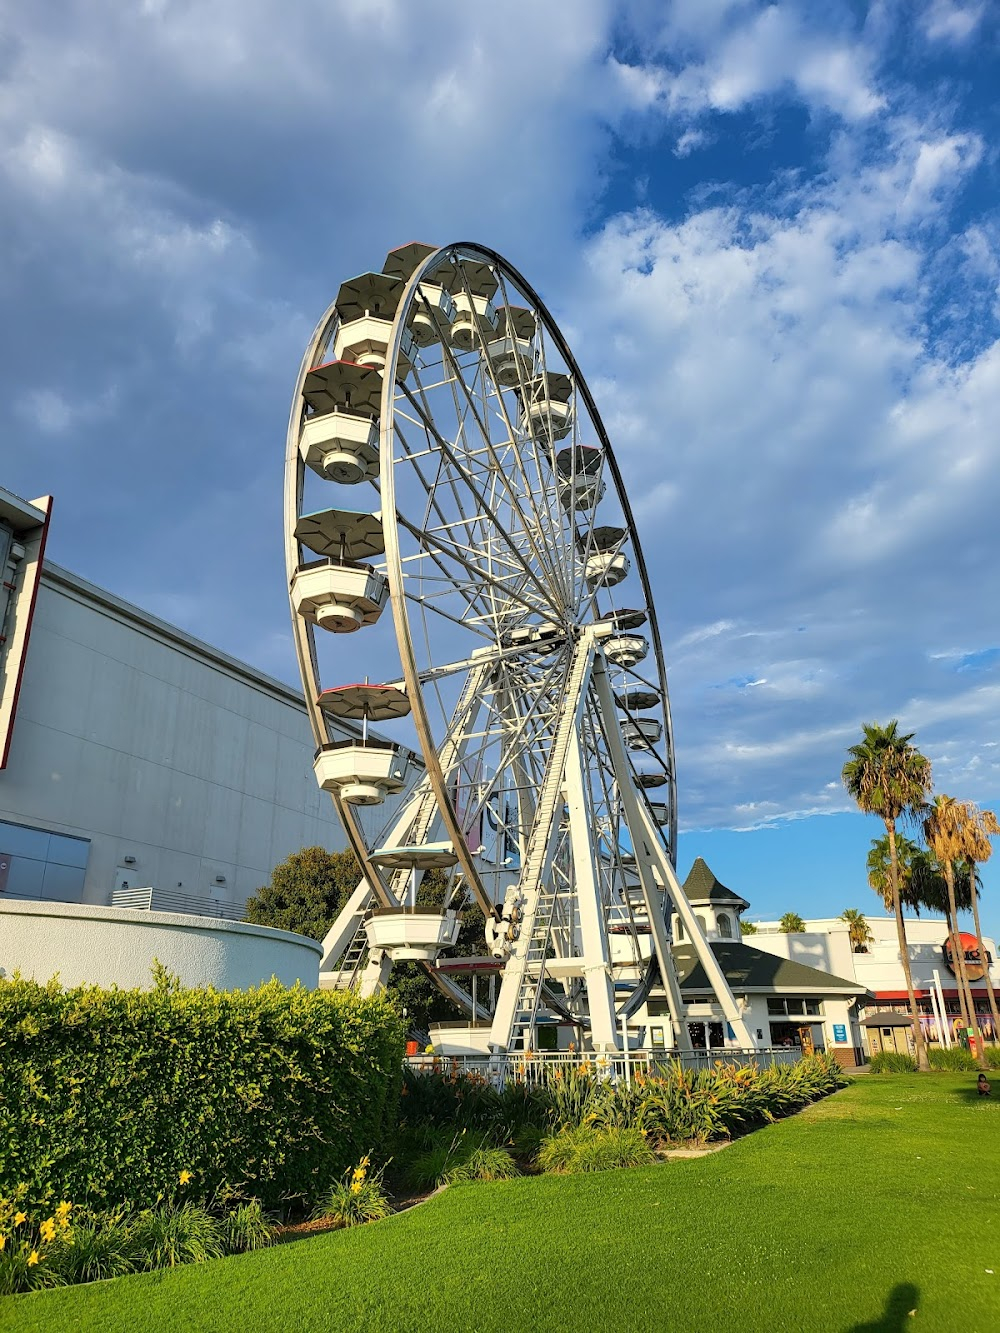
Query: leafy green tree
748, 928
792, 924
858, 929
890, 778
305, 892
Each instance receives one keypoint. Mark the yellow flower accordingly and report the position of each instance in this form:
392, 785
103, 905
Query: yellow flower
33, 1258
356, 1187
184, 1177
19, 1218
64, 1210
48, 1229
3, 1242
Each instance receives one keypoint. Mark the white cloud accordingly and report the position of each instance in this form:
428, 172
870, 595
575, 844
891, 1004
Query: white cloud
749, 52
803, 405
943, 21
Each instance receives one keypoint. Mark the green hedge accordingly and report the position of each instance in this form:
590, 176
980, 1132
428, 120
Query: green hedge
106, 1096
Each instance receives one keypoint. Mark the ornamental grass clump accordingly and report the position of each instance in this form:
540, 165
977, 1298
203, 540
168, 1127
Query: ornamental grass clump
957, 1058
247, 1229
75, 1245
587, 1148
892, 1062
100, 1247
483, 1163
173, 1234
355, 1199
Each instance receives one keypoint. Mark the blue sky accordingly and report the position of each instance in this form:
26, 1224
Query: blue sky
769, 230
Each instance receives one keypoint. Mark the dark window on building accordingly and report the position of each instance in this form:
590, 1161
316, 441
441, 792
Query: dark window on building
794, 1007
41, 865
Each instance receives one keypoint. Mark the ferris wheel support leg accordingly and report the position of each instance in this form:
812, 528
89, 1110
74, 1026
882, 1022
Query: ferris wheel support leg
593, 933
647, 844
536, 870
343, 930
651, 892
375, 977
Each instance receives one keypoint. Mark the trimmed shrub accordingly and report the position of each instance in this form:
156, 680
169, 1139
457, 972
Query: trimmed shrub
109, 1097
993, 1057
892, 1062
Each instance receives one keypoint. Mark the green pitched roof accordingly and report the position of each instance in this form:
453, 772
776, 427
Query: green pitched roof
747, 968
701, 886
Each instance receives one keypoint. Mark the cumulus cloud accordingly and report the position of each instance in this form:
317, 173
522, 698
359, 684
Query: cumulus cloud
799, 367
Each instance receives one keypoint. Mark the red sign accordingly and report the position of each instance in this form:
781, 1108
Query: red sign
975, 969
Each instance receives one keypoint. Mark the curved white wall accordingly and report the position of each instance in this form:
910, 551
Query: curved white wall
108, 946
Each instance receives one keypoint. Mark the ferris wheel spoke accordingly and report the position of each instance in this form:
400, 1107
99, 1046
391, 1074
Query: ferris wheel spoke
487, 510
531, 523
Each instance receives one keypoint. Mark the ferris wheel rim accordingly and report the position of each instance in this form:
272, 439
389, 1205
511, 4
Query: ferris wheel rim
390, 518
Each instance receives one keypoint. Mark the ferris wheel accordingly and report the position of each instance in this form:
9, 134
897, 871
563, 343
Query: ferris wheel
446, 463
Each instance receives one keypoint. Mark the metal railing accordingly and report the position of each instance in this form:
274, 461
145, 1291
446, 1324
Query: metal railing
169, 900
539, 1066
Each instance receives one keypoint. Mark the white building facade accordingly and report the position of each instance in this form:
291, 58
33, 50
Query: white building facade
879, 969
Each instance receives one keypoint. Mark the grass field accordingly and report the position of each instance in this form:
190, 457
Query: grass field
879, 1201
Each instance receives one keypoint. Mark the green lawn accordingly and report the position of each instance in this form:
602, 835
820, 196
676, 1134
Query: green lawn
881, 1200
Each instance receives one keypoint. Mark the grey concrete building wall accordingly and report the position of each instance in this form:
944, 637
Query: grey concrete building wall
135, 740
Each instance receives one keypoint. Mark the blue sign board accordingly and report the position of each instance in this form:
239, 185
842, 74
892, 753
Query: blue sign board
840, 1031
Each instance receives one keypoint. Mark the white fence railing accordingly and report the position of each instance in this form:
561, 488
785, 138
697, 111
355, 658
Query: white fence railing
169, 900
538, 1066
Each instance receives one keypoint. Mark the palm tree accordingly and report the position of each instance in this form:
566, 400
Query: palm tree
976, 827
858, 929
792, 924
928, 888
879, 863
889, 777
944, 831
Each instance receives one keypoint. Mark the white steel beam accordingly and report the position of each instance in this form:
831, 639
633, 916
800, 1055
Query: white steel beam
648, 846
536, 868
586, 882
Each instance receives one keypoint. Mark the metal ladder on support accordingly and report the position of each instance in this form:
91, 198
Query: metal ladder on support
352, 960
530, 995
